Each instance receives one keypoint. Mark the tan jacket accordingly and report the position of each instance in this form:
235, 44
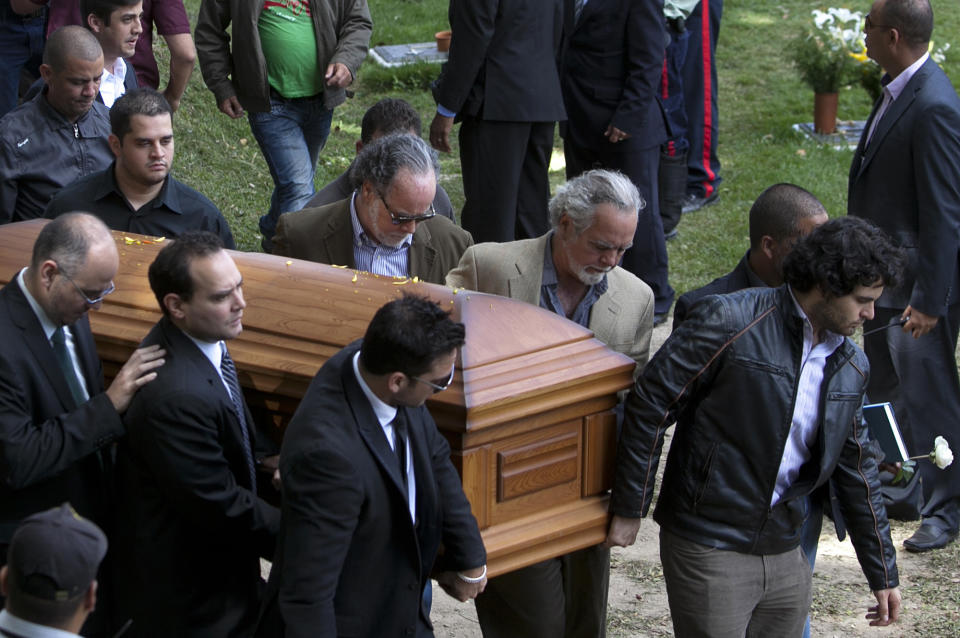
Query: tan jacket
622, 317
325, 235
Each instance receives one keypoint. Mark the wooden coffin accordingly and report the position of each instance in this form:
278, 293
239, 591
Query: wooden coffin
528, 416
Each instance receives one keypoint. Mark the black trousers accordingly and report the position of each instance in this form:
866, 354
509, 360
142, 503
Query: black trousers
919, 377
563, 597
505, 178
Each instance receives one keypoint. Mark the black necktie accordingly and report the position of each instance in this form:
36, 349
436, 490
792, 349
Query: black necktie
229, 372
400, 447
66, 365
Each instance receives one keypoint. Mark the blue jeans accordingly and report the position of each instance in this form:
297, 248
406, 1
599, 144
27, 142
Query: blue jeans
291, 137
21, 45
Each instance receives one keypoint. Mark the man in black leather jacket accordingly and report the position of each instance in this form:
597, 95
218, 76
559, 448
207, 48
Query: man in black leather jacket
766, 389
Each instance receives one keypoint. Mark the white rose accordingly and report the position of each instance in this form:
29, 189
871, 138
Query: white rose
941, 454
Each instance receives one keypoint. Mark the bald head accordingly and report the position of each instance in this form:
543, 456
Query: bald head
67, 42
69, 239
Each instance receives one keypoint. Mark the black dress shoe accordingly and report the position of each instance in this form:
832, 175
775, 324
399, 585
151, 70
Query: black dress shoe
928, 537
694, 202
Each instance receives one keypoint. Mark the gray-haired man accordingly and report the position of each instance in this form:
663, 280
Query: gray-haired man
572, 271
388, 226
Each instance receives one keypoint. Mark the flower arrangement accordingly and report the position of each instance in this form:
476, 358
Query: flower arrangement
824, 52
941, 456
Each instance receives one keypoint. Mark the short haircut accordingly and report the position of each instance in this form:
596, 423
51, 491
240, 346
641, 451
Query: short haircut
39, 610
580, 196
842, 254
380, 162
67, 240
389, 115
170, 271
102, 8
408, 335
145, 101
71, 41
912, 18
778, 213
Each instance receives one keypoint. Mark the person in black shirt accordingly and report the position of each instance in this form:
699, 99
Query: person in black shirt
137, 193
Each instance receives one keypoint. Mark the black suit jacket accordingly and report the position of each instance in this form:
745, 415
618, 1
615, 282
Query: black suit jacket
737, 279
503, 60
611, 67
48, 449
906, 181
193, 528
349, 560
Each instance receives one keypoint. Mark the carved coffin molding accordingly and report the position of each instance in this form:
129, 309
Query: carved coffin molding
528, 415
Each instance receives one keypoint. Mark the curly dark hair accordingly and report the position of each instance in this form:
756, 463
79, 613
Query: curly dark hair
842, 254
408, 335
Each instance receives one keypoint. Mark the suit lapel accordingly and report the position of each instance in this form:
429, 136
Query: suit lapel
525, 284
21, 314
422, 253
604, 313
369, 427
894, 112
87, 354
338, 237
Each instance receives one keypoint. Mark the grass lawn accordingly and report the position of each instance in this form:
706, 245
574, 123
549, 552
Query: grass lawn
761, 96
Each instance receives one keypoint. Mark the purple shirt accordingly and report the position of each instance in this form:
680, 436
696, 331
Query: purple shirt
169, 15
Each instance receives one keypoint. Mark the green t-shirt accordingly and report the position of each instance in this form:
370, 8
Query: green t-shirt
290, 48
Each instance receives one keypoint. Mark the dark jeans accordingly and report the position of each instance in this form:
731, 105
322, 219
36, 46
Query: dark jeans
21, 45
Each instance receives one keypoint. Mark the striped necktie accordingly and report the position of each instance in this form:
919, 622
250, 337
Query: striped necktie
229, 372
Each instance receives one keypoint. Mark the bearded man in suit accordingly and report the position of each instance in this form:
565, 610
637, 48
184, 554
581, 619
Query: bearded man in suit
572, 271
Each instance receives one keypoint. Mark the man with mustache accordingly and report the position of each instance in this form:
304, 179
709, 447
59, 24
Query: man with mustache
58, 136
572, 271
388, 225
136, 193
191, 527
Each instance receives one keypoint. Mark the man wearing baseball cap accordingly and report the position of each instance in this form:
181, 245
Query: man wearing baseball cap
50, 579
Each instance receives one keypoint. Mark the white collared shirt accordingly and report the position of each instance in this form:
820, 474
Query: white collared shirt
112, 82
806, 409
29, 629
892, 91
213, 351
385, 415
49, 328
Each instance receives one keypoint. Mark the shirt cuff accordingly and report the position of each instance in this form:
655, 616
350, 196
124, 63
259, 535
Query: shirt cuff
444, 111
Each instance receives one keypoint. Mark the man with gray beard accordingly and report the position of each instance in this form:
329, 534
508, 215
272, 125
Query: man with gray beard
573, 271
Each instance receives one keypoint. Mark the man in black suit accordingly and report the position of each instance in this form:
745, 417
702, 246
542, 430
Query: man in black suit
56, 420
369, 491
611, 67
904, 179
500, 82
778, 218
193, 527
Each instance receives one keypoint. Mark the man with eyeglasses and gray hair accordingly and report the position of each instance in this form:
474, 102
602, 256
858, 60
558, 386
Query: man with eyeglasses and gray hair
573, 271
56, 420
388, 226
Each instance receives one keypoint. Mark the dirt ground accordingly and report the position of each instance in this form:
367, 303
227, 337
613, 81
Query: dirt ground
637, 606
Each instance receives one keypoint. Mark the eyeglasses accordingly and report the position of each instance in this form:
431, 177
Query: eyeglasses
92, 302
438, 387
869, 24
400, 218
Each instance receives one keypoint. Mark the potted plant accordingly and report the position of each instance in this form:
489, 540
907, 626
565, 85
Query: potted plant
823, 54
